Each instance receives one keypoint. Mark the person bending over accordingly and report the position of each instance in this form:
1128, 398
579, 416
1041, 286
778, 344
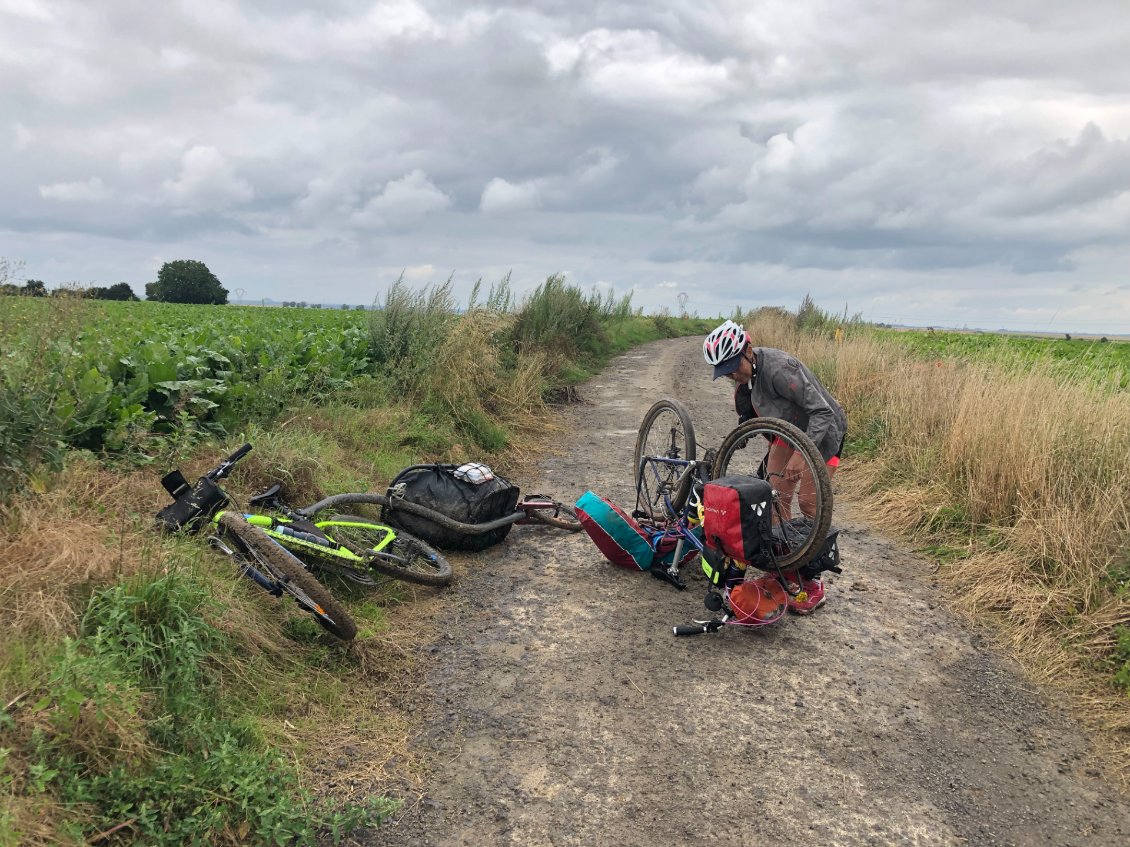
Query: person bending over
774, 384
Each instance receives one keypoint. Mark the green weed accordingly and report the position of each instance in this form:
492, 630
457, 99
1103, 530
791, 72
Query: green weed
1121, 657
132, 728
405, 332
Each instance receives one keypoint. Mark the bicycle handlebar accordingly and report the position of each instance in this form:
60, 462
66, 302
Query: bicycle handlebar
699, 627
225, 467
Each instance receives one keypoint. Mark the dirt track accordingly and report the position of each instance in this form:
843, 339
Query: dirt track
565, 712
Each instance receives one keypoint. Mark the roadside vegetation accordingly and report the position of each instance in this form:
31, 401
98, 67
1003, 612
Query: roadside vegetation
1005, 459
148, 694
151, 697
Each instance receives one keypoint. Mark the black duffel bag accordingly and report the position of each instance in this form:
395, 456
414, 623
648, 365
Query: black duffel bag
469, 493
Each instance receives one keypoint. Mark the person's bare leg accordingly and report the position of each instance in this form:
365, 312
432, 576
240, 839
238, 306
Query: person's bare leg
807, 495
785, 483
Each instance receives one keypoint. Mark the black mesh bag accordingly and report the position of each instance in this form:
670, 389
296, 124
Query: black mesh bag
471, 498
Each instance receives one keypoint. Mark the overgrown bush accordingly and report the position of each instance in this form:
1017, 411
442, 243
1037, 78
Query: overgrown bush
561, 320
406, 331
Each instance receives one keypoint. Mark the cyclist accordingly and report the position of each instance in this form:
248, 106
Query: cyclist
772, 383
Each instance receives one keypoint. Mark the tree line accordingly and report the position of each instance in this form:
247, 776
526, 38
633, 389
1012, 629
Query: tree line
180, 281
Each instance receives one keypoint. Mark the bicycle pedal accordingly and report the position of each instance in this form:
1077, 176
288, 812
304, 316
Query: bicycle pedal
669, 577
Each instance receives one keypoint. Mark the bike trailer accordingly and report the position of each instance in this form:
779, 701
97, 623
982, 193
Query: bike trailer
737, 518
470, 493
619, 537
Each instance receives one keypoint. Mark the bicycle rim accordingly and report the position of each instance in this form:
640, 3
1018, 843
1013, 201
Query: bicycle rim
668, 433
290, 575
802, 507
390, 552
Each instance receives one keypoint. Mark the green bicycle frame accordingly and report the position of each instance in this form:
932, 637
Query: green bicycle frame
316, 546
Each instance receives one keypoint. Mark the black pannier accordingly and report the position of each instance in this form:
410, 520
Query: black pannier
470, 494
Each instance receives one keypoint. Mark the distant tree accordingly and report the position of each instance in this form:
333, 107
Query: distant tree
1067, 336
35, 288
186, 281
118, 291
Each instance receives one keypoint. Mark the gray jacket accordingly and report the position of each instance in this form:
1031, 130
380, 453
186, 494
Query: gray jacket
784, 388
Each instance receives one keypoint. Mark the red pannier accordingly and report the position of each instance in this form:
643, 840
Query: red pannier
737, 518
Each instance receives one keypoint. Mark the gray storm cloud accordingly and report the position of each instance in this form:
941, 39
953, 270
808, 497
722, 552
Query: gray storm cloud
893, 159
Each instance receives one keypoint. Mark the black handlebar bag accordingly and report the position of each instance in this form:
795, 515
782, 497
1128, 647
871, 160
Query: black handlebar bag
469, 493
737, 518
192, 506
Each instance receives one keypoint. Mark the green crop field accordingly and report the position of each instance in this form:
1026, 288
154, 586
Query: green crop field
1105, 362
103, 368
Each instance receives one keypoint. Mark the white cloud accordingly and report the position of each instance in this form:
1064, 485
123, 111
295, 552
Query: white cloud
35, 9
401, 203
637, 68
22, 137
207, 182
84, 191
502, 196
882, 154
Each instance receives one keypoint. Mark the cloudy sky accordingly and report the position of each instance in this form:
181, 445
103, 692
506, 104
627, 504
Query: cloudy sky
930, 162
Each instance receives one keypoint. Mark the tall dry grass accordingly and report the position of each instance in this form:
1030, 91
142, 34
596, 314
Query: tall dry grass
1017, 476
79, 532
491, 398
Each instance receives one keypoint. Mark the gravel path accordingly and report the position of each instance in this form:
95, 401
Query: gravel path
563, 711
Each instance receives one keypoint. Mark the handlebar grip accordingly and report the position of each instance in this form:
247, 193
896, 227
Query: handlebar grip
224, 468
690, 629
238, 454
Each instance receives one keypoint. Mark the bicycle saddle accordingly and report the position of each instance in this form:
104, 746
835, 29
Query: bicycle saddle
267, 497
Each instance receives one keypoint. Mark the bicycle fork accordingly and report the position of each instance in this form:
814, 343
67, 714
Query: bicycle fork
271, 586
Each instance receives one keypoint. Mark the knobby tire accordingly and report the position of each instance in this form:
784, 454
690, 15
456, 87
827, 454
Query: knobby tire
405, 557
667, 432
282, 566
559, 515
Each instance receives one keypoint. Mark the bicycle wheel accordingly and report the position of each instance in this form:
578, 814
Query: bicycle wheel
666, 433
391, 552
289, 575
555, 514
802, 503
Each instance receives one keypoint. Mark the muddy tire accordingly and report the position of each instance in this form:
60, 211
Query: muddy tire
279, 565
405, 557
560, 516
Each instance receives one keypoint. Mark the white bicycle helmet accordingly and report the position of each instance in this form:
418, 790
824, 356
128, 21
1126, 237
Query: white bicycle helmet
723, 344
